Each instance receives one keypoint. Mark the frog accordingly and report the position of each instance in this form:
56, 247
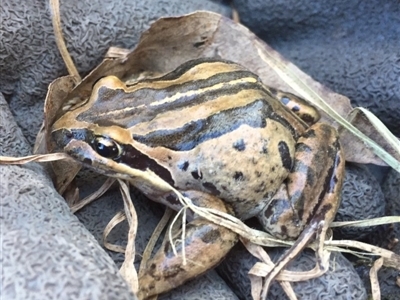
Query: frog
213, 131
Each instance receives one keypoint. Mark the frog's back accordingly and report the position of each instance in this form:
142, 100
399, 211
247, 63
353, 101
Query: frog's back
222, 133
194, 91
213, 93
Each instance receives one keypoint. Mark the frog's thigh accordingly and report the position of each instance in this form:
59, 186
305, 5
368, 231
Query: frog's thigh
206, 244
313, 186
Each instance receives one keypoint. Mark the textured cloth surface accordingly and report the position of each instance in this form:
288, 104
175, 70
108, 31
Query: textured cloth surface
353, 46
47, 253
335, 284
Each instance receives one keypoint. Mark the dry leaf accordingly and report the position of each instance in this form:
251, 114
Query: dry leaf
359, 152
172, 41
64, 171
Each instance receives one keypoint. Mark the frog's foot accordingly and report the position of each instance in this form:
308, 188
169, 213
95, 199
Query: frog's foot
206, 244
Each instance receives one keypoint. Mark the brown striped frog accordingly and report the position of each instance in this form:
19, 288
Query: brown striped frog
213, 131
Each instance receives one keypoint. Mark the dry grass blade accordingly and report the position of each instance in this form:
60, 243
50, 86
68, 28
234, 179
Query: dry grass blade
55, 8
118, 218
128, 270
288, 289
256, 286
153, 239
170, 231
229, 221
235, 15
373, 275
390, 259
260, 270
8, 160
264, 239
71, 194
302, 241
368, 222
94, 196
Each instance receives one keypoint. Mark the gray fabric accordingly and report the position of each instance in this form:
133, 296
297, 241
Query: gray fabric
351, 46
339, 282
46, 251
389, 277
362, 198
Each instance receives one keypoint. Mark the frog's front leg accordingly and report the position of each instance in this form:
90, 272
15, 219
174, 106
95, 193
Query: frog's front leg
206, 244
313, 186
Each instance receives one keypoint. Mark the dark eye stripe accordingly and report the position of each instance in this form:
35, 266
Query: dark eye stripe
140, 161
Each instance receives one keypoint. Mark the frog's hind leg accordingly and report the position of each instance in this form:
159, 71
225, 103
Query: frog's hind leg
307, 202
206, 244
313, 185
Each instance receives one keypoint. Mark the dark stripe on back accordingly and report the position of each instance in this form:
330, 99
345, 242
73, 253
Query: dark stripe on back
160, 93
199, 131
110, 100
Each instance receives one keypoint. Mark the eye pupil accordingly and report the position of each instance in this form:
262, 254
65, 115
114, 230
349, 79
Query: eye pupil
106, 148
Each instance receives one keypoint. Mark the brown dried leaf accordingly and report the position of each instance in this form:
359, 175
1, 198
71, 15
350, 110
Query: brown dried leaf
58, 90
376, 131
64, 171
172, 41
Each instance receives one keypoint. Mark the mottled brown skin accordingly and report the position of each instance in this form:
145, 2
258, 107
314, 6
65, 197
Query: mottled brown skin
314, 182
165, 271
214, 132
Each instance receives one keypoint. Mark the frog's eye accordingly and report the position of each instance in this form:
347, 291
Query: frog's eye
106, 147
